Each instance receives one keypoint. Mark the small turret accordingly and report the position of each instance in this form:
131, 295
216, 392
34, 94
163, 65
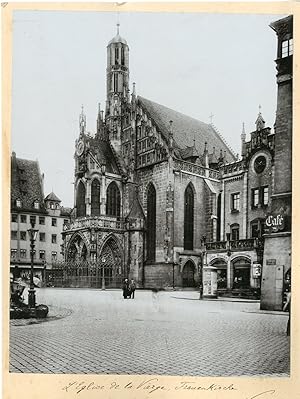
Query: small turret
243, 141
260, 122
82, 122
171, 138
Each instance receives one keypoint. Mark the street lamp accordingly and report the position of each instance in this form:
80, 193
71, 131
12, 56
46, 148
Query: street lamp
103, 279
31, 293
203, 252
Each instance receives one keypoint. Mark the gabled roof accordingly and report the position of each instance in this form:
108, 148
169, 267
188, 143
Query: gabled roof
185, 128
103, 153
52, 197
26, 184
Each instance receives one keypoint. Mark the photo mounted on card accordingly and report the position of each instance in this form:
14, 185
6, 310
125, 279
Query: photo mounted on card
149, 235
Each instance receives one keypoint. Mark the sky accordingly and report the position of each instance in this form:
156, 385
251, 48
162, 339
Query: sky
198, 64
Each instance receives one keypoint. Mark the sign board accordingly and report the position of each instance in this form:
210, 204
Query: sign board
256, 270
271, 261
274, 223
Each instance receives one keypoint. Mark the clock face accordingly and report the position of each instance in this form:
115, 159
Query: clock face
260, 164
80, 147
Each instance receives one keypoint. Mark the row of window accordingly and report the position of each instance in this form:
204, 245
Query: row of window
144, 145
113, 199
119, 53
259, 197
23, 236
257, 229
23, 254
41, 219
19, 204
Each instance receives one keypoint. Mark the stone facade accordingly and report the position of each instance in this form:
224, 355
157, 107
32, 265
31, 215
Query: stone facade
159, 195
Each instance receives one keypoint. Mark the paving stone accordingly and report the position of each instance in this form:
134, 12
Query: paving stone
164, 333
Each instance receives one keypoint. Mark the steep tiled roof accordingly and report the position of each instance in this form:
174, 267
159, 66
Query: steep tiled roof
26, 184
103, 152
185, 128
52, 197
189, 152
65, 211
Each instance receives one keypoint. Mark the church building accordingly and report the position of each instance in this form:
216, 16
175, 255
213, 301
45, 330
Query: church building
161, 198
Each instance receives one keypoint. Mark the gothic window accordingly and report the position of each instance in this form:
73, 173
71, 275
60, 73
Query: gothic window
116, 56
219, 218
151, 223
80, 200
115, 82
113, 200
95, 198
188, 218
122, 56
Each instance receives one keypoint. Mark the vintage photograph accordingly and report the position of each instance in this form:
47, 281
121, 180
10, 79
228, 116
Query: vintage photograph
151, 186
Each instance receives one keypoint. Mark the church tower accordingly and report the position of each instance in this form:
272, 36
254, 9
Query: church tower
117, 87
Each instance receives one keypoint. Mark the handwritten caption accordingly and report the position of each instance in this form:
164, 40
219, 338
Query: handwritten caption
150, 385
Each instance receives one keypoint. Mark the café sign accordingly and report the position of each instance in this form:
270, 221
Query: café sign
274, 222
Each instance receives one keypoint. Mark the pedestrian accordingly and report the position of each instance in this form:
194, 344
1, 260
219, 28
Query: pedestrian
132, 287
126, 292
287, 307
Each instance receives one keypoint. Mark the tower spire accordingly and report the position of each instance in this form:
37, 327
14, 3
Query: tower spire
118, 28
260, 123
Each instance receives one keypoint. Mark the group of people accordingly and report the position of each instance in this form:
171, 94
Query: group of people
128, 289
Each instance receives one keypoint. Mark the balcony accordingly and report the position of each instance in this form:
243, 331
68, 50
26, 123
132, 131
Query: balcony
234, 245
96, 222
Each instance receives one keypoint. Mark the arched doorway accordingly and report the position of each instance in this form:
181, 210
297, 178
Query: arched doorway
77, 250
188, 272
221, 267
241, 273
111, 264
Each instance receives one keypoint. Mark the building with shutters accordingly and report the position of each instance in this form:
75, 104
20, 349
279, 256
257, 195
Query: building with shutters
160, 195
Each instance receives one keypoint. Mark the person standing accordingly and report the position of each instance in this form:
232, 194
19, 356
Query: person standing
287, 306
132, 288
126, 292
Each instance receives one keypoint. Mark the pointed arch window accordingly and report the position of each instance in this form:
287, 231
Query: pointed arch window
151, 223
95, 198
113, 200
80, 200
188, 218
116, 82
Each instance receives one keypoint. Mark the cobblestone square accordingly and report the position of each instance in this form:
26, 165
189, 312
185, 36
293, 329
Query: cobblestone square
165, 333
